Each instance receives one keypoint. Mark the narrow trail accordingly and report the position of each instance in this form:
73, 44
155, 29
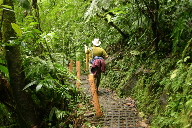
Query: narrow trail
117, 112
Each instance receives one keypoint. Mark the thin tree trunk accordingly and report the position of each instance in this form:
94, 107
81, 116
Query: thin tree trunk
151, 12
26, 112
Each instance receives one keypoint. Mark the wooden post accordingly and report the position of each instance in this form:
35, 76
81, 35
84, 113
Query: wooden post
71, 66
95, 96
87, 62
78, 73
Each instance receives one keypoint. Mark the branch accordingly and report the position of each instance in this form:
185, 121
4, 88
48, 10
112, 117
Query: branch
113, 25
117, 28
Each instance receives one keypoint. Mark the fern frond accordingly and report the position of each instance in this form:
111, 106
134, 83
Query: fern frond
30, 84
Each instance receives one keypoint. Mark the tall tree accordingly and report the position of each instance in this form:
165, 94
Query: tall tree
26, 112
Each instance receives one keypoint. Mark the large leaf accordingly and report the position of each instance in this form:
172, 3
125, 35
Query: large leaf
17, 29
7, 6
4, 69
174, 74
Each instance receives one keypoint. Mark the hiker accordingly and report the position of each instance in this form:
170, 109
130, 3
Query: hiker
97, 56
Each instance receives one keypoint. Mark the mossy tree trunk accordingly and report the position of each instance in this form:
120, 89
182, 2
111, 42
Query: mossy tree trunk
26, 112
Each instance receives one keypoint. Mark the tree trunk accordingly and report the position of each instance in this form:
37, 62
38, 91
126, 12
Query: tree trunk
155, 23
151, 12
26, 112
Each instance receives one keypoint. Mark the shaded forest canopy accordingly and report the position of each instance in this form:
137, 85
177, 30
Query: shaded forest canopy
149, 44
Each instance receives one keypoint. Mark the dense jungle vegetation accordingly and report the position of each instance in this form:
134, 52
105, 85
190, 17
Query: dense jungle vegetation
149, 43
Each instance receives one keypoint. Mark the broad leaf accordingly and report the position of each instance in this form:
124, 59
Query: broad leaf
17, 29
39, 86
4, 69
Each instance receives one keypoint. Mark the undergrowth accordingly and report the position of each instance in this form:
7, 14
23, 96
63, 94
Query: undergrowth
53, 90
161, 86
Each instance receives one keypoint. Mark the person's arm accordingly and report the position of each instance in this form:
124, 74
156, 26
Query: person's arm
86, 49
105, 54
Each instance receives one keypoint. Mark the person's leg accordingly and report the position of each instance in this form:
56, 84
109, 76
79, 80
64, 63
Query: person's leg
98, 78
90, 66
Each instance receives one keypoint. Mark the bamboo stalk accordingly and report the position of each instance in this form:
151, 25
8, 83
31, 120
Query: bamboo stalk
95, 96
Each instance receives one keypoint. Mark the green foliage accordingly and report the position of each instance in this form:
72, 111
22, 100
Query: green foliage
144, 39
114, 76
6, 6
46, 74
25, 4
161, 87
3, 69
178, 87
17, 29
5, 117
50, 85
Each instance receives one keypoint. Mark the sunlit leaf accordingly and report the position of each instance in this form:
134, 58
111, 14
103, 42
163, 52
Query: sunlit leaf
189, 103
186, 58
108, 18
6, 6
174, 74
30, 84
17, 29
134, 52
39, 86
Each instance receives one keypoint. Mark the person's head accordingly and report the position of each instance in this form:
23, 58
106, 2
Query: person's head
96, 42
